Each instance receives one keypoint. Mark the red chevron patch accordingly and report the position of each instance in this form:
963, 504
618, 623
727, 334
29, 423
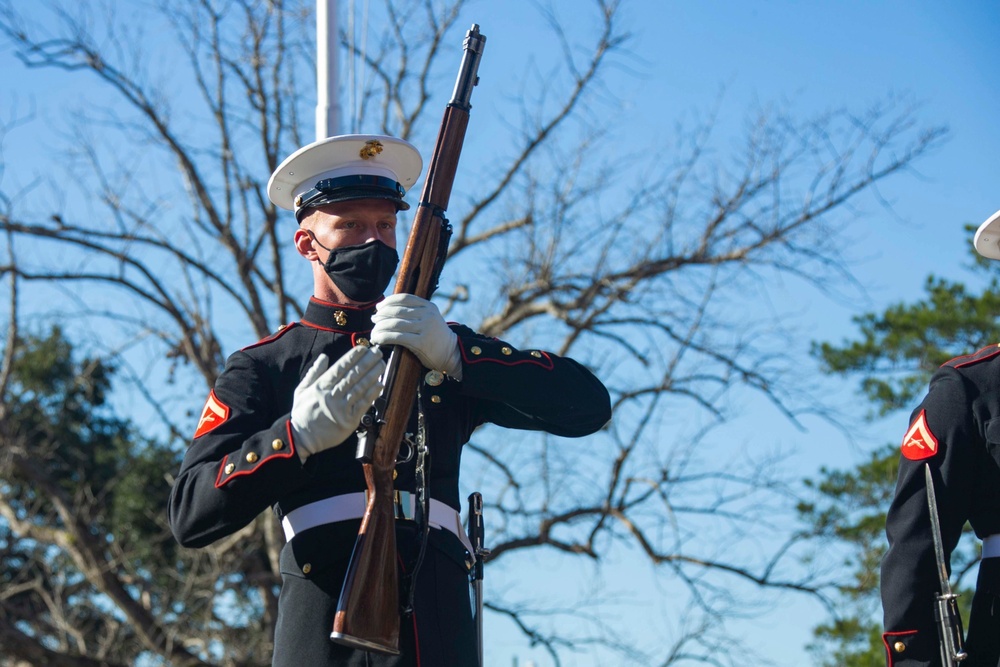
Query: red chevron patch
919, 443
214, 415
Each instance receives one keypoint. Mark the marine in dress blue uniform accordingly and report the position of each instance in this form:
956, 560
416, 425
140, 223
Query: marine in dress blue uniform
278, 428
956, 431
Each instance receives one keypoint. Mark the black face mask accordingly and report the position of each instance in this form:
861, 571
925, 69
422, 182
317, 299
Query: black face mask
361, 272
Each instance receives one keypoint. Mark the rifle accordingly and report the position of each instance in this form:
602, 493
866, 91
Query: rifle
367, 614
949, 621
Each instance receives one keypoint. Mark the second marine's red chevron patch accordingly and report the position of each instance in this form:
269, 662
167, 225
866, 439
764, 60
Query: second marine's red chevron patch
919, 443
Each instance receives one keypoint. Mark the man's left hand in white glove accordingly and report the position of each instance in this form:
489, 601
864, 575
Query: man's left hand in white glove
417, 325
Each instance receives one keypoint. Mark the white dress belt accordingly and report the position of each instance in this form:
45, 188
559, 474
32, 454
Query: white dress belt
352, 506
991, 546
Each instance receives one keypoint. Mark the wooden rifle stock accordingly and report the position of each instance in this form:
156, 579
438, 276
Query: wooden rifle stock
368, 610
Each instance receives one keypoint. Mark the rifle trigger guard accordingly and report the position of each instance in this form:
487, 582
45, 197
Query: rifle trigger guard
410, 449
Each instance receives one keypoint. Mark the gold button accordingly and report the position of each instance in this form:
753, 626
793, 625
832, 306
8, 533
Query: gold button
230, 467
252, 457
434, 378
340, 317
899, 646
364, 342
435, 399
536, 354
298, 200
476, 350
506, 350
307, 568
395, 474
277, 445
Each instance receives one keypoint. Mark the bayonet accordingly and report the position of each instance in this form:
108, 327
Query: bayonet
479, 554
949, 621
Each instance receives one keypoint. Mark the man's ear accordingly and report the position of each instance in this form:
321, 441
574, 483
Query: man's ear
304, 244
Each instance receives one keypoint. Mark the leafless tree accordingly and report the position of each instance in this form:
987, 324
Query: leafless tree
150, 233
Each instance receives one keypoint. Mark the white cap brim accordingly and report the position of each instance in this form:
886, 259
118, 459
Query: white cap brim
987, 239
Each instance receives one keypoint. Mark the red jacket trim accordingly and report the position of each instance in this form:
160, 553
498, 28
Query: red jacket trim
219, 481
985, 353
364, 306
888, 649
545, 361
285, 328
313, 325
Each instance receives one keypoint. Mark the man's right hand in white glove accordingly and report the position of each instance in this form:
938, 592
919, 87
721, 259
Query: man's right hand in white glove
330, 402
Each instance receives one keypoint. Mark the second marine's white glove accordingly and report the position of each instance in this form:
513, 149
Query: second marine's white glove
417, 325
330, 402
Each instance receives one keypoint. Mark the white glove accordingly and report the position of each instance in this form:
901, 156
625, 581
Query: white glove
330, 402
417, 325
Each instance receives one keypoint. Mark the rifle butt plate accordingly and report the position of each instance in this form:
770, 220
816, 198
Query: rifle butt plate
364, 644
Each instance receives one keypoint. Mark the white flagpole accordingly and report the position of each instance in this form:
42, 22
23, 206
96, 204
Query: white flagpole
327, 107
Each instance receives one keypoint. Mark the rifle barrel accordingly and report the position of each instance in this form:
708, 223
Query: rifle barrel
468, 73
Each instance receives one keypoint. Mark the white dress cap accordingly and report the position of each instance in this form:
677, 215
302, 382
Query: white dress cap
343, 157
987, 239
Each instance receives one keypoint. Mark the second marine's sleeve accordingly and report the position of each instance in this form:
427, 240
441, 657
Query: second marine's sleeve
241, 459
944, 436
531, 389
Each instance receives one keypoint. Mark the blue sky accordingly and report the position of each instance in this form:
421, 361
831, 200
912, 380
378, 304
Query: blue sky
808, 56
812, 57
826, 55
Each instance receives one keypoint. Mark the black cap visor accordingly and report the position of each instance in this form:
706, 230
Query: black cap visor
346, 188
